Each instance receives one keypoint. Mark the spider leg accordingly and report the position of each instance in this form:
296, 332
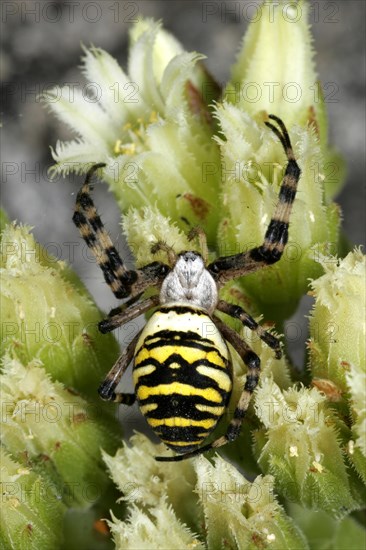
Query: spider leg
226, 268
130, 302
202, 240
109, 384
87, 220
239, 313
126, 312
149, 275
171, 255
122, 282
252, 361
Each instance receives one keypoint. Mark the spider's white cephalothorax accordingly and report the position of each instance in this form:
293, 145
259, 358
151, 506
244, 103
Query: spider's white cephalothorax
190, 282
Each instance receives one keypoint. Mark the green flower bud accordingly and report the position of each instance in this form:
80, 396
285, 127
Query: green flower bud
143, 481
151, 127
283, 80
47, 314
337, 323
337, 343
301, 448
31, 511
160, 528
240, 514
55, 430
198, 501
146, 227
274, 71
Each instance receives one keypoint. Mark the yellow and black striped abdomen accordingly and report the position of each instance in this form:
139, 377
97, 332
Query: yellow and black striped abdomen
182, 375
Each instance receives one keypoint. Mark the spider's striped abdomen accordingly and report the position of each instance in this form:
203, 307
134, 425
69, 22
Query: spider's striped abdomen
182, 375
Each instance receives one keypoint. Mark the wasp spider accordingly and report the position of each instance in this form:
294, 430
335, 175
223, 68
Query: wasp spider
182, 369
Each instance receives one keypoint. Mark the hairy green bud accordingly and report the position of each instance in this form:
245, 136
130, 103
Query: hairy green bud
31, 509
48, 314
300, 446
203, 504
53, 427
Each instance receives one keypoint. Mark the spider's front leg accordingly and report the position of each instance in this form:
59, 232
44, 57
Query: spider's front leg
226, 268
87, 220
123, 282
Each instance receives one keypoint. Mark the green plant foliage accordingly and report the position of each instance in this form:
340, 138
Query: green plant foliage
183, 155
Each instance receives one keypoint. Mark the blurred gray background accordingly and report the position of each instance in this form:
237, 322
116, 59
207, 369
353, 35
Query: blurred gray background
42, 47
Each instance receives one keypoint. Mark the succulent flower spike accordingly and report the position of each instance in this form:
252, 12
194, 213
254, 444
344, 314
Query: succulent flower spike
48, 314
301, 449
139, 121
205, 505
251, 169
337, 355
54, 430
